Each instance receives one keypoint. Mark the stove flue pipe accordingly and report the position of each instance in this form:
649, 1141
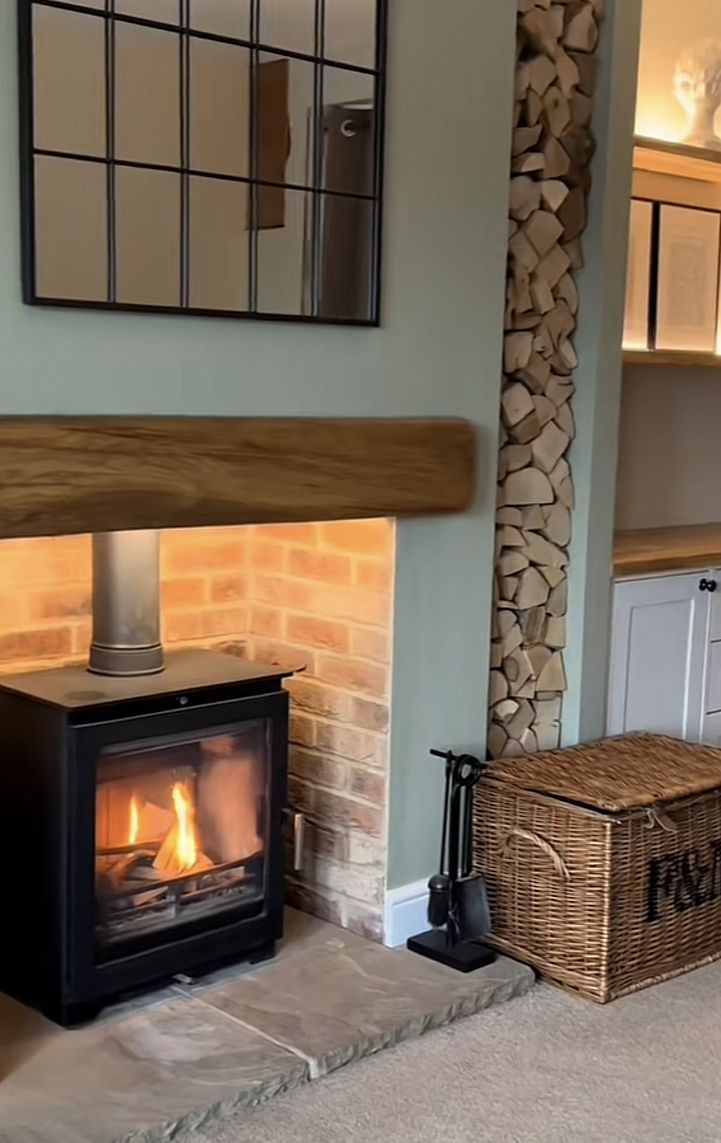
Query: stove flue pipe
126, 604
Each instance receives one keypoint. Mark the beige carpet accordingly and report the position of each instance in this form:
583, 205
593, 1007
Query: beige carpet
543, 1069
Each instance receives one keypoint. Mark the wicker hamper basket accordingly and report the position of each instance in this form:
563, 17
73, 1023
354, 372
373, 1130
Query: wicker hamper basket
603, 862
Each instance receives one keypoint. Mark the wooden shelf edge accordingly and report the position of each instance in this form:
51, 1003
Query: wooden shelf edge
671, 357
664, 146
662, 158
677, 548
671, 564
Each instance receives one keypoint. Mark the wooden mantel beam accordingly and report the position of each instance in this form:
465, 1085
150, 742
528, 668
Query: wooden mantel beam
87, 474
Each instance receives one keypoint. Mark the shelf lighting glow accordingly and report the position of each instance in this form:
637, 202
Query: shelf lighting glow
649, 127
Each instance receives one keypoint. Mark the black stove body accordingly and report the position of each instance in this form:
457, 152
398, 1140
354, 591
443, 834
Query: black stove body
142, 823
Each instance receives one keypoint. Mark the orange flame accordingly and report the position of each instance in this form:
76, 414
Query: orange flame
134, 826
186, 845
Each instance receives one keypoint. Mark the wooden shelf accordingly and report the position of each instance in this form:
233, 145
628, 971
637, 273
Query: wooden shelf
677, 159
683, 358
684, 548
686, 176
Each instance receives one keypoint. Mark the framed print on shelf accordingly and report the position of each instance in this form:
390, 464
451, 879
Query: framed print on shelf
689, 243
638, 276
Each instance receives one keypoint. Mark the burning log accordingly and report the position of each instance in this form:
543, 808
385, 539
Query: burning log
179, 852
168, 862
111, 851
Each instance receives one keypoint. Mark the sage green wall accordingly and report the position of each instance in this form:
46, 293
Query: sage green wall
598, 378
442, 620
438, 352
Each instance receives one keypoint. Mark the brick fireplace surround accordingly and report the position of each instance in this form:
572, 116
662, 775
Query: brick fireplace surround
317, 596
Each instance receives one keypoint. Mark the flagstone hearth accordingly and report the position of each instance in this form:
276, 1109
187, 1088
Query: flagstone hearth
196, 1052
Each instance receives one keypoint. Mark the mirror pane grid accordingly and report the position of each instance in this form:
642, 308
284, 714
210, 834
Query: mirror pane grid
225, 136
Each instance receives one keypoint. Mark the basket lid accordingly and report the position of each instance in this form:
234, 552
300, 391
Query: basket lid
616, 774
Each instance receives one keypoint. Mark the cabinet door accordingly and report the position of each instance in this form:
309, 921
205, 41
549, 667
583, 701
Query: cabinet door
658, 656
712, 729
714, 602
712, 705
713, 679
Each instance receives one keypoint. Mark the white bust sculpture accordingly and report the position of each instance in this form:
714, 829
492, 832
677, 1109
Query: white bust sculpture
697, 86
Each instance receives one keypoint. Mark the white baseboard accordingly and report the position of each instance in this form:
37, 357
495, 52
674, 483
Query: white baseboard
405, 913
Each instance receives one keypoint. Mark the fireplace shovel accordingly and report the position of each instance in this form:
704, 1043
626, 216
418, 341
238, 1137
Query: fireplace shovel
473, 913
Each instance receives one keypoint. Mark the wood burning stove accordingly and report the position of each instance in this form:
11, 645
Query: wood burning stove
142, 818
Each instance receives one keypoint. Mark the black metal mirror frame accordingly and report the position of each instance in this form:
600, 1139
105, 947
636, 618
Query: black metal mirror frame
316, 193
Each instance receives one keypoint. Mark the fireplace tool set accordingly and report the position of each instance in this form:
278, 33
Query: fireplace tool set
458, 909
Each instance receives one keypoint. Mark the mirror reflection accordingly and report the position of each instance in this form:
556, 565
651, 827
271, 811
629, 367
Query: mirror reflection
163, 11
147, 82
219, 246
71, 229
147, 228
219, 108
68, 81
221, 17
291, 26
283, 258
348, 127
346, 230
350, 31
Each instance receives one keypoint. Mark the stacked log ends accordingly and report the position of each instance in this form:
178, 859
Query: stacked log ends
552, 149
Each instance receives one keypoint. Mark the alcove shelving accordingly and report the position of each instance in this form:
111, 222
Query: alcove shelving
683, 176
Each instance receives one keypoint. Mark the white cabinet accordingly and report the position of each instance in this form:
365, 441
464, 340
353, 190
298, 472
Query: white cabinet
713, 679
665, 672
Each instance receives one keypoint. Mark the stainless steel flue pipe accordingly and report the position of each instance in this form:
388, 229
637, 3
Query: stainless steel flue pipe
126, 604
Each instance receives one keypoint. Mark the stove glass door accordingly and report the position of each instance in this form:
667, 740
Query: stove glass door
181, 834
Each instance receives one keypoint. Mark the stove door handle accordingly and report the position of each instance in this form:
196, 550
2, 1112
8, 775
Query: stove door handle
296, 822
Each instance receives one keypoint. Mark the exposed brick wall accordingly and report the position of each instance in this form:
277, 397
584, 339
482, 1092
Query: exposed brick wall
321, 597
316, 596
45, 594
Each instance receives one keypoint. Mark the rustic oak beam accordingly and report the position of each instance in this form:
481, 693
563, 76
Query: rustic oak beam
87, 474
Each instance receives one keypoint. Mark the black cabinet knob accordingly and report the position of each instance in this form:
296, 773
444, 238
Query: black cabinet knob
708, 585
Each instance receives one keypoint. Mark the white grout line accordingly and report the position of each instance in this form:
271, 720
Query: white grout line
313, 1066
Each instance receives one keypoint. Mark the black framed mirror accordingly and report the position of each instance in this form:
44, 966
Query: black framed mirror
218, 157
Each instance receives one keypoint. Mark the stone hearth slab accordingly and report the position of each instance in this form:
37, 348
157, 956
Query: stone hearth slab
334, 1006
183, 1056
303, 936
140, 1077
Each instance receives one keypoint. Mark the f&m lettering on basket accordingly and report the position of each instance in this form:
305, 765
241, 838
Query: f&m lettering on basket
685, 879
603, 861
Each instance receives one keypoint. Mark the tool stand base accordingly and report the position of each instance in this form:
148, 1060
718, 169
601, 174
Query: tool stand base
464, 956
